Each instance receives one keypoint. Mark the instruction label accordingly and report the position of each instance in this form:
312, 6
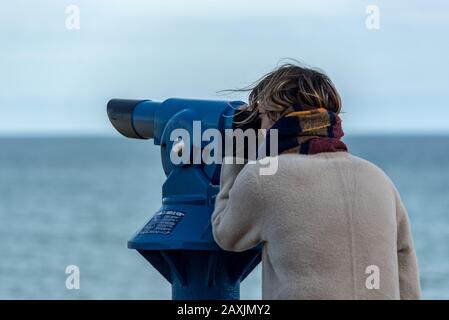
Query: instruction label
163, 222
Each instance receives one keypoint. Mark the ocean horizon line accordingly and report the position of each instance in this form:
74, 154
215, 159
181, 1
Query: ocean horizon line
8, 136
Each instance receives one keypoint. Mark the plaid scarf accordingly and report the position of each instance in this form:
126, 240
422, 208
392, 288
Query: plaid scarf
308, 131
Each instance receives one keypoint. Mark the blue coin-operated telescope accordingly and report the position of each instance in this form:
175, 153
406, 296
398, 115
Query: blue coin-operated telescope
178, 239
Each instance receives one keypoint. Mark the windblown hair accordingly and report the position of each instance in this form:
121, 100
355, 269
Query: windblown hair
289, 84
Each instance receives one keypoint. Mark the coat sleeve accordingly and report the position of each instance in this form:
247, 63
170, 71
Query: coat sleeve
408, 267
236, 221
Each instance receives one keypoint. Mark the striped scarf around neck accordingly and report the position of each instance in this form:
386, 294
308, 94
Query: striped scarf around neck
307, 130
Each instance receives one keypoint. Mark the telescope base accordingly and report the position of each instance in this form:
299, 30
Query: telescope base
204, 275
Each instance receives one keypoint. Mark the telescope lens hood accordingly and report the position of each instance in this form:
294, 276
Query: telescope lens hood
120, 113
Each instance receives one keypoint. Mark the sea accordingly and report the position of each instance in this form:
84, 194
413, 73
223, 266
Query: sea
75, 201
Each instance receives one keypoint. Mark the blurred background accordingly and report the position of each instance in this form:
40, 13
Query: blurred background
72, 191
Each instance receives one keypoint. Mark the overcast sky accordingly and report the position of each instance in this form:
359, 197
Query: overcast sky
57, 81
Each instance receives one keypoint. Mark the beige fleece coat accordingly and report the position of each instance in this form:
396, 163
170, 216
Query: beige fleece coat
332, 224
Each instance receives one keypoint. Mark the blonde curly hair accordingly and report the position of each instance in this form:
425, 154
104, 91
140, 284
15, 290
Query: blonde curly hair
277, 91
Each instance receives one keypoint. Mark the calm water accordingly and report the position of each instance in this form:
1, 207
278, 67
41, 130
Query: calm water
78, 200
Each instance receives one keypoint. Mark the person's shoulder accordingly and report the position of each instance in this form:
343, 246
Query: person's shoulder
364, 163
368, 167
